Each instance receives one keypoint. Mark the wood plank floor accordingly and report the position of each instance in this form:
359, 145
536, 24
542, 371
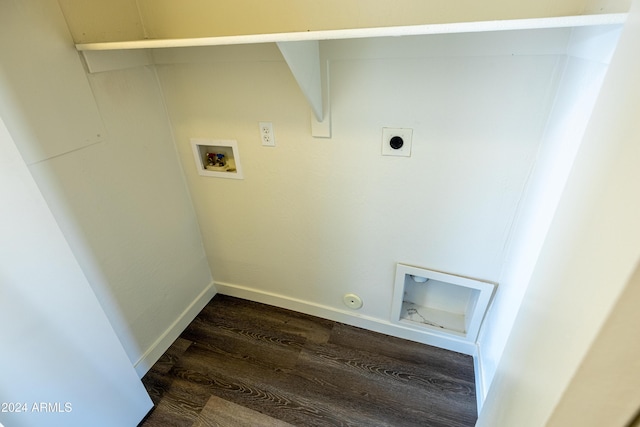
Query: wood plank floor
241, 363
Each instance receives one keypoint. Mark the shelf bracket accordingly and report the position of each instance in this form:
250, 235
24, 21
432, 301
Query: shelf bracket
311, 74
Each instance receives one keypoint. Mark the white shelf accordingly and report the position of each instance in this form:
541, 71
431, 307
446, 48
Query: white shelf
440, 304
302, 52
409, 30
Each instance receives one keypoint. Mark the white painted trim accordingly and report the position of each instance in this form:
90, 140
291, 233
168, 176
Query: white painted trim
410, 30
348, 317
478, 371
157, 349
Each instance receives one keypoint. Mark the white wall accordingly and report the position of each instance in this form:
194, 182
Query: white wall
101, 151
590, 253
58, 347
316, 218
588, 54
606, 387
118, 20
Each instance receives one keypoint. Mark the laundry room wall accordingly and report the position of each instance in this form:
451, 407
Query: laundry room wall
316, 218
101, 151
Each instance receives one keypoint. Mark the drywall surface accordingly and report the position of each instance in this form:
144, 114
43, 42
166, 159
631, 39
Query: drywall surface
51, 93
136, 19
588, 54
314, 219
121, 202
590, 253
128, 209
58, 348
606, 387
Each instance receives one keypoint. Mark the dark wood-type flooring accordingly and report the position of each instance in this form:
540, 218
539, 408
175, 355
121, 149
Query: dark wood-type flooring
241, 363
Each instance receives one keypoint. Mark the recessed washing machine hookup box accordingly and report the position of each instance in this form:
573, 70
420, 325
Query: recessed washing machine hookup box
440, 303
217, 157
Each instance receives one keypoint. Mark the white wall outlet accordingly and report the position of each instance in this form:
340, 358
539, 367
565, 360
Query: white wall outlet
396, 142
266, 134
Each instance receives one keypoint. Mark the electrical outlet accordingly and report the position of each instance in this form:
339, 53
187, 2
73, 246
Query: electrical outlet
396, 142
266, 134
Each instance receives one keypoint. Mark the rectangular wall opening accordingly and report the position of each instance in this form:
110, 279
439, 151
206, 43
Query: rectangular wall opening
440, 303
217, 158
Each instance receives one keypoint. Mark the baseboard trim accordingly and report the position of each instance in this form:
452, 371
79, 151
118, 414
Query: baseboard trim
157, 349
479, 375
344, 316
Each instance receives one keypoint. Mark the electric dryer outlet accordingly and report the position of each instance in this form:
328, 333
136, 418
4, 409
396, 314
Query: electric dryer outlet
396, 142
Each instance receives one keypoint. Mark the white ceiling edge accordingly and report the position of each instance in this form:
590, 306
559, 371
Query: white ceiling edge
412, 30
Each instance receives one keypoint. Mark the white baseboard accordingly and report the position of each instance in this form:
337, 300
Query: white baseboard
481, 393
157, 349
348, 317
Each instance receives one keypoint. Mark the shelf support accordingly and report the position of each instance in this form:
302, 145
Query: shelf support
311, 74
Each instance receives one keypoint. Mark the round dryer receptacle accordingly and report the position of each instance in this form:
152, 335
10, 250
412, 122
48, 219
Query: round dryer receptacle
396, 142
352, 301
